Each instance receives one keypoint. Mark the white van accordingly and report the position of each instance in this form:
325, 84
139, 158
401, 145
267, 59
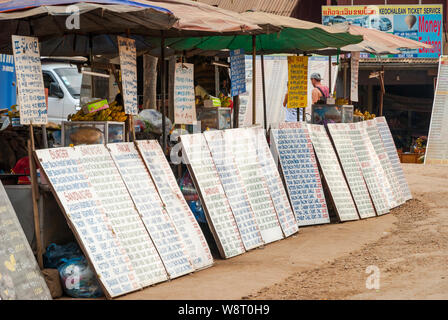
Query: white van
63, 82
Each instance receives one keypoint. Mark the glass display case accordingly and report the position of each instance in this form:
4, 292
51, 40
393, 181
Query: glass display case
92, 132
215, 118
331, 113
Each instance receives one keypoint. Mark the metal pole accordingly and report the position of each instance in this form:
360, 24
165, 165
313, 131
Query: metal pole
265, 120
236, 111
163, 73
254, 90
329, 74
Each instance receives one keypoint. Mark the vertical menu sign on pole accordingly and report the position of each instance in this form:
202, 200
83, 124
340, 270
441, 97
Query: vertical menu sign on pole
160, 227
128, 65
237, 72
175, 203
30, 84
332, 172
354, 67
20, 277
437, 148
213, 198
184, 99
297, 81
352, 169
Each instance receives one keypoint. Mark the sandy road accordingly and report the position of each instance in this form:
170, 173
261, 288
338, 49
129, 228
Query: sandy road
409, 246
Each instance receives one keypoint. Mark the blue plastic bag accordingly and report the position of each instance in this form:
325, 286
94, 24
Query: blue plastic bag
56, 253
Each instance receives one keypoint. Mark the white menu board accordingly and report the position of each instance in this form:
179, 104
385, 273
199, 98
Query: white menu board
437, 148
354, 74
175, 203
30, 83
128, 66
377, 143
244, 152
369, 170
88, 220
301, 174
350, 164
213, 198
331, 170
389, 145
160, 227
279, 197
234, 188
126, 223
184, 98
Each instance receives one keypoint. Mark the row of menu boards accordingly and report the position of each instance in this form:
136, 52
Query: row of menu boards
358, 163
124, 206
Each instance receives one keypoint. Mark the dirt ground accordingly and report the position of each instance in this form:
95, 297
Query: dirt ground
409, 248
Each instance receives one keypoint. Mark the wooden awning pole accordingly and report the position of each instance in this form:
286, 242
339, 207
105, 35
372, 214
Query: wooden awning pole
254, 76
163, 74
265, 120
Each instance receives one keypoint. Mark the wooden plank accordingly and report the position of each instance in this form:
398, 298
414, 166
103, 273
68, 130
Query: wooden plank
158, 223
343, 201
352, 169
235, 190
175, 204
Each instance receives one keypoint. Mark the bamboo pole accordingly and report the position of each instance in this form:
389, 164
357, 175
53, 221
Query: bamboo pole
254, 82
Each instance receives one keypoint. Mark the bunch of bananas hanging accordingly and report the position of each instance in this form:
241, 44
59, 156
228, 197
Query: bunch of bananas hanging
366, 115
113, 113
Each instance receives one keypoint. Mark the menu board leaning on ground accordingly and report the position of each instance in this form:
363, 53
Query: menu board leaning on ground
87, 218
213, 198
128, 66
331, 170
369, 171
20, 277
298, 163
175, 203
389, 146
279, 197
30, 83
350, 164
383, 157
245, 154
126, 223
437, 148
160, 227
234, 188
184, 98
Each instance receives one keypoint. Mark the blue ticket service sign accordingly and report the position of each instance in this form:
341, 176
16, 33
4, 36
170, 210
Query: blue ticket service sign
237, 72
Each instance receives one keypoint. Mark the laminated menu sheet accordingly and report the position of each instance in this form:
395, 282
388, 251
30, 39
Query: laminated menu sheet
370, 170
175, 203
389, 146
331, 170
383, 157
301, 174
20, 277
213, 198
349, 161
286, 216
88, 220
161, 229
234, 188
247, 162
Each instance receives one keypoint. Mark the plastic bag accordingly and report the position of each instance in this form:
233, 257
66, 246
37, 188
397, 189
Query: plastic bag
55, 254
187, 187
78, 280
150, 120
197, 210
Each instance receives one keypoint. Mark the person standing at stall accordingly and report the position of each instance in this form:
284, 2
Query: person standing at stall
320, 92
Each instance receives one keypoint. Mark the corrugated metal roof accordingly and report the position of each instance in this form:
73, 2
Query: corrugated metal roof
280, 7
401, 60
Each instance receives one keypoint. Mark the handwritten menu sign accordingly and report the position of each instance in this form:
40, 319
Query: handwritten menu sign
298, 163
279, 197
88, 220
437, 148
351, 166
184, 99
345, 207
213, 198
237, 72
235, 190
297, 81
378, 146
245, 154
160, 227
30, 83
175, 204
354, 67
128, 66
391, 150
369, 170
20, 277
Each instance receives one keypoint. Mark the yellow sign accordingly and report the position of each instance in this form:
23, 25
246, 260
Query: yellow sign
297, 82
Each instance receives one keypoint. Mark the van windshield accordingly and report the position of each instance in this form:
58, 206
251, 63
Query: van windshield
71, 79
